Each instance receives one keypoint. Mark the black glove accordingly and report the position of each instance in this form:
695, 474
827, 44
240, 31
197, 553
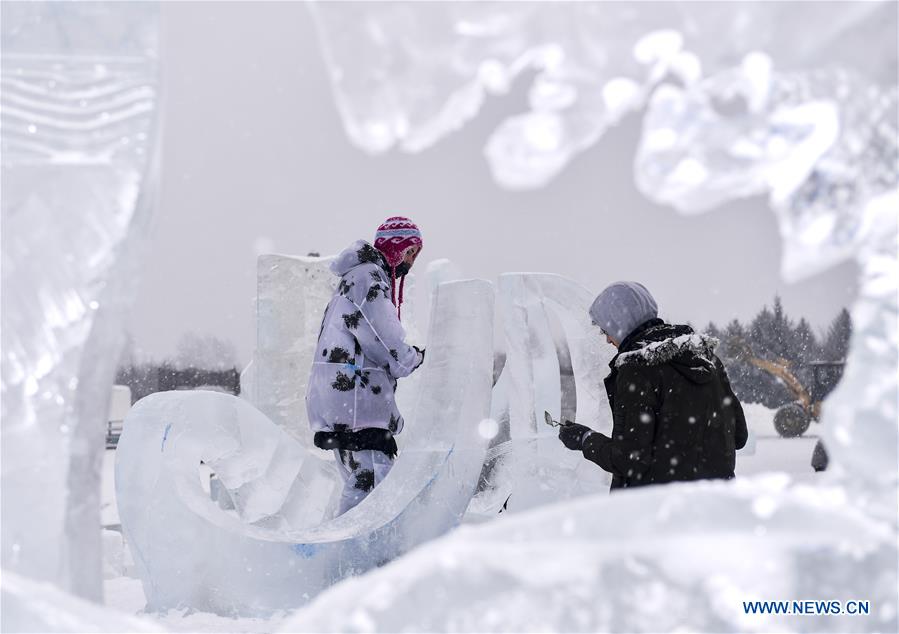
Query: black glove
420, 351
572, 435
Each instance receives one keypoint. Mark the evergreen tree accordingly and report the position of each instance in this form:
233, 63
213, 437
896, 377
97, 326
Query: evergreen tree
758, 336
836, 343
805, 347
767, 337
781, 335
772, 335
804, 352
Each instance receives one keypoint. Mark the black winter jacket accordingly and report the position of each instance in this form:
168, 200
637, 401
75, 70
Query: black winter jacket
675, 416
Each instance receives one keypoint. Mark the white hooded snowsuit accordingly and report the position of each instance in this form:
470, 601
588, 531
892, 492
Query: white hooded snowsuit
361, 349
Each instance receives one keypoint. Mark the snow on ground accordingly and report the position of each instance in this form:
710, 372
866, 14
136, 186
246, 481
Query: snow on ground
125, 594
39, 606
773, 453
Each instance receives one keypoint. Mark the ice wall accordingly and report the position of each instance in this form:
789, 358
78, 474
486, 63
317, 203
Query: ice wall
531, 467
79, 115
272, 551
292, 294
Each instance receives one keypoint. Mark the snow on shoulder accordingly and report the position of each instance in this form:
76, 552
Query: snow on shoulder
662, 351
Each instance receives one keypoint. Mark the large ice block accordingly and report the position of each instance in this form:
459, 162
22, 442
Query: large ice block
292, 294
271, 552
79, 116
531, 466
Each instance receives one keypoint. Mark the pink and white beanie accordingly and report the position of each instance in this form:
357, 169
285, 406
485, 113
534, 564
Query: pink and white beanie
393, 238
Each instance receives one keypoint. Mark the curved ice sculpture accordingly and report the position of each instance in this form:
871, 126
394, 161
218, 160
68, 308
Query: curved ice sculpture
532, 467
79, 116
269, 552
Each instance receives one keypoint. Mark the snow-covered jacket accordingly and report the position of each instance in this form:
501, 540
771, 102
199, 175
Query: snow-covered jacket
361, 349
675, 416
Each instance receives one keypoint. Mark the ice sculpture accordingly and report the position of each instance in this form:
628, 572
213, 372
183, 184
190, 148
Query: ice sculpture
823, 143
826, 147
270, 552
292, 293
660, 559
532, 467
409, 74
78, 106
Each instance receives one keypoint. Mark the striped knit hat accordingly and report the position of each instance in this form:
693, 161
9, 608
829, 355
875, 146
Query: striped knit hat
393, 238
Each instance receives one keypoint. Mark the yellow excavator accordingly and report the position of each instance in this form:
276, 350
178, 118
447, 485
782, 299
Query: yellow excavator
793, 419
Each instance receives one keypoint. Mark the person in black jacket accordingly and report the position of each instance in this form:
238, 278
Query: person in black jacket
675, 416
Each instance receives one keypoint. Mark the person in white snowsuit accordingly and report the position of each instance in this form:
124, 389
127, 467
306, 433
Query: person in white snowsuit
360, 355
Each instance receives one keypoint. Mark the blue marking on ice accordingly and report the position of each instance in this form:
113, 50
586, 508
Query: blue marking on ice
437, 473
164, 436
305, 550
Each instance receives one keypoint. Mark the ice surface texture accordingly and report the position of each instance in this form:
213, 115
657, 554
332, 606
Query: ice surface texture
409, 74
660, 559
265, 555
79, 107
530, 466
825, 146
292, 293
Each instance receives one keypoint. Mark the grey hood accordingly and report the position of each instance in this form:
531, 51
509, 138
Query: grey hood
621, 307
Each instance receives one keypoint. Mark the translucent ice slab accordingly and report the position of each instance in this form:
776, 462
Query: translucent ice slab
270, 552
79, 117
292, 293
532, 467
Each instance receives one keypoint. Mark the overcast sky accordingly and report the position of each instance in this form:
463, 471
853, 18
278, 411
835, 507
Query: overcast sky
254, 158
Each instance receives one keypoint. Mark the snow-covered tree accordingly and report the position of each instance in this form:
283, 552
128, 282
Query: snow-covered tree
836, 343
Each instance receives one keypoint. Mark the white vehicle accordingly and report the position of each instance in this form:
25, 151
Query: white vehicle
119, 404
